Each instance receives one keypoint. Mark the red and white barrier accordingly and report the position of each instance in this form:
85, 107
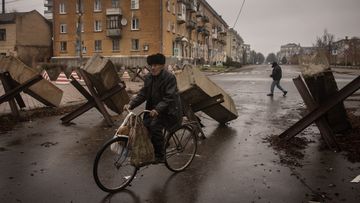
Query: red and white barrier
62, 79
45, 75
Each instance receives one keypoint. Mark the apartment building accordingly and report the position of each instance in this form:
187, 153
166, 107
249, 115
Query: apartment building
246, 53
346, 52
132, 29
234, 48
288, 52
26, 35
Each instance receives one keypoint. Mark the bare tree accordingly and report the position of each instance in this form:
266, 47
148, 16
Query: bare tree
325, 43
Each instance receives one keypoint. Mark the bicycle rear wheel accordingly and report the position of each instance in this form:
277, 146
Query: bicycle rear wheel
112, 169
181, 147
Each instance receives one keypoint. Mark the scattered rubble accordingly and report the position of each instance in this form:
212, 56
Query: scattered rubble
291, 152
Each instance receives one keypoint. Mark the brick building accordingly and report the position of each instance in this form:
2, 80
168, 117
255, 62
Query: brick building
26, 35
128, 31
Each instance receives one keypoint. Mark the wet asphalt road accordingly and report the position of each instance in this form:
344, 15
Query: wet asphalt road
44, 161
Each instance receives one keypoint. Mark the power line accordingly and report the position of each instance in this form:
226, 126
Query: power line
237, 18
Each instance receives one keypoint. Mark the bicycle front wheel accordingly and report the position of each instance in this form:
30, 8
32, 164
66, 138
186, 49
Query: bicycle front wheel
181, 147
112, 169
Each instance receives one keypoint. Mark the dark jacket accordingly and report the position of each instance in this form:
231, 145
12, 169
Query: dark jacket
276, 73
160, 93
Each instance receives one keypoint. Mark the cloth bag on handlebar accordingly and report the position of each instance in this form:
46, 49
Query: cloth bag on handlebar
142, 150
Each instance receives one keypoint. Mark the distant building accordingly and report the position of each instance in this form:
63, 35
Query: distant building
234, 47
128, 31
246, 53
26, 35
308, 50
288, 51
346, 51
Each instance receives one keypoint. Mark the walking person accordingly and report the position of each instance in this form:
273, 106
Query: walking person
162, 98
276, 76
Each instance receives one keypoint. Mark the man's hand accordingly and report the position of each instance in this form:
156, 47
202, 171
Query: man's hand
154, 113
126, 107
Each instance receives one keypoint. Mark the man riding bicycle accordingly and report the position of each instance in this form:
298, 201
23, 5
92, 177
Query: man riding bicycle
160, 92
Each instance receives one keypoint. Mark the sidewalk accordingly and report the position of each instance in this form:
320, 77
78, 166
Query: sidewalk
70, 97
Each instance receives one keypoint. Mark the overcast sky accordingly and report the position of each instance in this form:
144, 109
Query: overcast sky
268, 24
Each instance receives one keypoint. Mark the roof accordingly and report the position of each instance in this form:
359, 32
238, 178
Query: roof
9, 18
215, 13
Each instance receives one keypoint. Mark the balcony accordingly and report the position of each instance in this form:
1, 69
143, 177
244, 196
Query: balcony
48, 3
181, 18
113, 11
191, 24
113, 33
191, 7
199, 14
215, 36
205, 19
206, 32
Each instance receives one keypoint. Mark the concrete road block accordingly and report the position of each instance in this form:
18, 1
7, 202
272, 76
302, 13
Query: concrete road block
21, 73
104, 77
195, 87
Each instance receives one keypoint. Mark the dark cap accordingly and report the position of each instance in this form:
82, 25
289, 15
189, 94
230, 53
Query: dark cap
156, 59
274, 64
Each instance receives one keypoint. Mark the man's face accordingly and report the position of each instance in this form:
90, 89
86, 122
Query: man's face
156, 69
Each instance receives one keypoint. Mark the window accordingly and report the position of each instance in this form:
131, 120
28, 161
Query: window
97, 26
173, 28
2, 34
116, 45
135, 24
81, 28
62, 9
115, 3
62, 28
174, 8
135, 44
63, 46
98, 46
81, 8
97, 5
134, 4
168, 5
169, 26
113, 22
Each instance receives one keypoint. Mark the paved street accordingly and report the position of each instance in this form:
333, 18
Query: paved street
44, 161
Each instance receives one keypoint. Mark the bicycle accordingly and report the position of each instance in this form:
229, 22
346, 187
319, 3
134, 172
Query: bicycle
112, 170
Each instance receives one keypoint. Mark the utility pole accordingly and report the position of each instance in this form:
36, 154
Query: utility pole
3, 6
78, 32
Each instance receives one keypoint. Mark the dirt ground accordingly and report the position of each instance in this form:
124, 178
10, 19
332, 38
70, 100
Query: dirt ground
291, 152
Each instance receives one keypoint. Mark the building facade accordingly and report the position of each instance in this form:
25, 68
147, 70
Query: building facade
288, 52
346, 52
246, 53
235, 48
26, 35
180, 29
48, 12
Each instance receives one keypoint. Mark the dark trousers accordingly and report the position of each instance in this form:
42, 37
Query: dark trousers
156, 128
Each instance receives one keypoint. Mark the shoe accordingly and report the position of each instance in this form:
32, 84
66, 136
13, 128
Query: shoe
285, 93
270, 95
